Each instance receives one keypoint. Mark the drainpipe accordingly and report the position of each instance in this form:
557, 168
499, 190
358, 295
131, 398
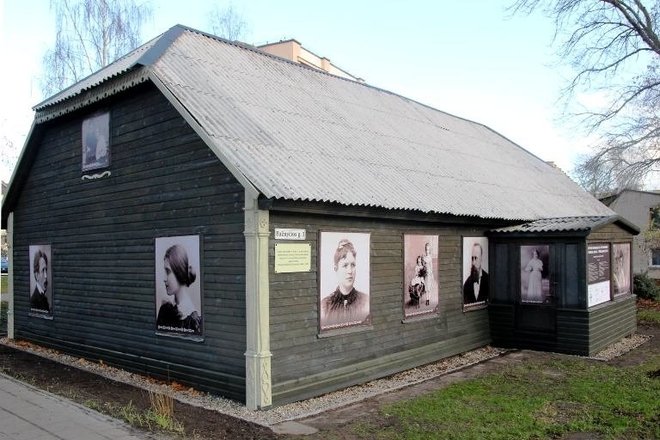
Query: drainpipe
257, 357
257, 320
10, 276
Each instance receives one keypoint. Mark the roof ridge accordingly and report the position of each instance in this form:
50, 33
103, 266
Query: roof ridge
165, 40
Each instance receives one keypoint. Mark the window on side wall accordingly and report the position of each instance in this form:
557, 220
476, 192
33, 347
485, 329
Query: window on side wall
96, 142
655, 257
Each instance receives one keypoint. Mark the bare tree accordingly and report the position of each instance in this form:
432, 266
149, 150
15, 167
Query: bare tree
227, 23
90, 34
614, 46
603, 174
9, 151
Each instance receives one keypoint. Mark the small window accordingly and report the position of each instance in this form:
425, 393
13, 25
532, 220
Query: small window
655, 257
96, 142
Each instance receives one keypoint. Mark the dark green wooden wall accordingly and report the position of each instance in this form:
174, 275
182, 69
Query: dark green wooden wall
164, 182
571, 327
304, 365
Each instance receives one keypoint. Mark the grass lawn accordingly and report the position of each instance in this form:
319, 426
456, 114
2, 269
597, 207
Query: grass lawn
537, 400
648, 311
648, 316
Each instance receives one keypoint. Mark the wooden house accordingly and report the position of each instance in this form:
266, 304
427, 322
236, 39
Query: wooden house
205, 212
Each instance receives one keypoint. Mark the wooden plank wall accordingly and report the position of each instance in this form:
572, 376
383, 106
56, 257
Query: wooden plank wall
305, 365
610, 233
578, 330
164, 182
611, 321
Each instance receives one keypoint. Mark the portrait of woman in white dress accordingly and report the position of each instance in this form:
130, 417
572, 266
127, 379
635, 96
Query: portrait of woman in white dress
534, 282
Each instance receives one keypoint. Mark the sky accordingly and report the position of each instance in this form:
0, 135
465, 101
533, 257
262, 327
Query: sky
469, 58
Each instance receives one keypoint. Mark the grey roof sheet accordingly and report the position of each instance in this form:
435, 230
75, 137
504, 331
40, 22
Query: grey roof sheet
120, 66
299, 134
567, 224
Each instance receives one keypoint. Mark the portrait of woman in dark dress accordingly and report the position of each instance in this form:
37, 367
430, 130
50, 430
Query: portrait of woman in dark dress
345, 305
179, 313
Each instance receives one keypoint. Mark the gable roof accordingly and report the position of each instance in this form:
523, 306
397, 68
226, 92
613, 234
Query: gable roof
609, 199
295, 133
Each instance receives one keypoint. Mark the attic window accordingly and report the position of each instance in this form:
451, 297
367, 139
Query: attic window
96, 142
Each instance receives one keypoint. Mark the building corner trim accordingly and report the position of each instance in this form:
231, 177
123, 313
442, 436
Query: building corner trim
10, 276
258, 386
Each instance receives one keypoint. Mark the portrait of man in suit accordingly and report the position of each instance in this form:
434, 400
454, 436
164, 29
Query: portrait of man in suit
476, 286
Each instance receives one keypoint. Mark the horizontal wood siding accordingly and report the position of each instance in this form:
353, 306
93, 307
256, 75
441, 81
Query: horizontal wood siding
164, 182
586, 332
611, 232
502, 324
568, 326
610, 322
573, 331
304, 365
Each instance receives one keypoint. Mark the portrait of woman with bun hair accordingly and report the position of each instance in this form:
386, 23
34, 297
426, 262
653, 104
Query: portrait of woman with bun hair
179, 311
344, 289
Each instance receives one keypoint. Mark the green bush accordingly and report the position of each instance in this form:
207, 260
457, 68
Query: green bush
645, 287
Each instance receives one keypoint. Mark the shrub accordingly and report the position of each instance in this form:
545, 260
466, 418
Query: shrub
645, 287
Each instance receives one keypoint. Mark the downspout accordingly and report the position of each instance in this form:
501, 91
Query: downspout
257, 319
258, 393
10, 276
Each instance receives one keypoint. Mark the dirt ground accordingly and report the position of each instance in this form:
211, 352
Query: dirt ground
201, 424
83, 387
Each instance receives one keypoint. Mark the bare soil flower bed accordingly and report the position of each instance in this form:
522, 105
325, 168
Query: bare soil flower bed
204, 416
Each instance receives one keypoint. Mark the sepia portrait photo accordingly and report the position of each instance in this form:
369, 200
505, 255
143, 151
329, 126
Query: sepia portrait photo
178, 286
534, 274
621, 280
476, 281
96, 142
41, 277
344, 279
420, 264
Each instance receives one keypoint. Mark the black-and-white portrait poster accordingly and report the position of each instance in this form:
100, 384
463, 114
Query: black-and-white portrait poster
420, 265
178, 286
534, 274
476, 281
621, 279
344, 279
96, 142
41, 280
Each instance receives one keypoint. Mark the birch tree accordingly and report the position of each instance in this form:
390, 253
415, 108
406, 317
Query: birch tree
227, 23
90, 34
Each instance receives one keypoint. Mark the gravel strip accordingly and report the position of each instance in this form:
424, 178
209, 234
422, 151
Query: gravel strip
622, 347
291, 411
302, 409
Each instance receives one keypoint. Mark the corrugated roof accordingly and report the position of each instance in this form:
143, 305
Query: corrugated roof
567, 224
121, 66
299, 134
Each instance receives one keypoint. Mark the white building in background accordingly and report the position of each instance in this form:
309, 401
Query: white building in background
643, 209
